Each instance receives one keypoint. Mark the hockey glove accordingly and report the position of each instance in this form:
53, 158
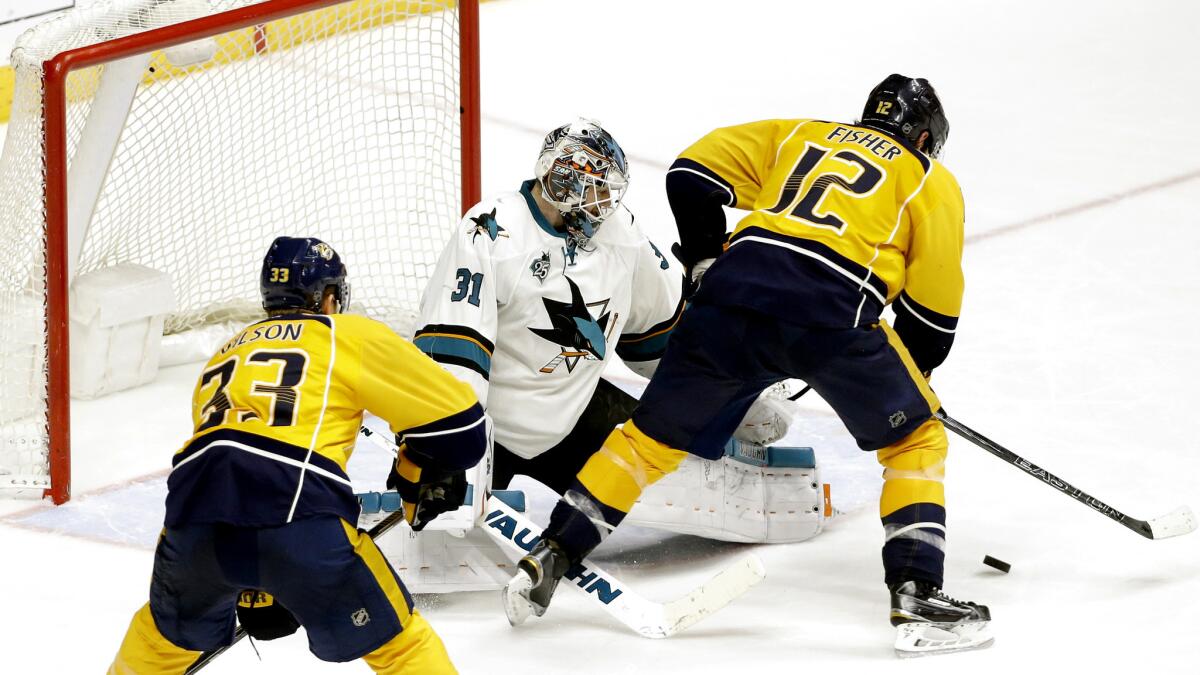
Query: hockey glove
427, 492
769, 416
693, 271
263, 617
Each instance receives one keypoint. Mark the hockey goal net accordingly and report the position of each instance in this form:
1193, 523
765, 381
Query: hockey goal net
184, 135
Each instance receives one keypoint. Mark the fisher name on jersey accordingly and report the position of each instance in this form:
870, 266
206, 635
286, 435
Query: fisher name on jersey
529, 316
843, 221
277, 411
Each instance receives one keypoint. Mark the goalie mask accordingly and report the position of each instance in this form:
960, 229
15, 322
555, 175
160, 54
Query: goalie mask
583, 173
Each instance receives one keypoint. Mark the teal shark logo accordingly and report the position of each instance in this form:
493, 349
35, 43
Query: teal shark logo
485, 223
574, 330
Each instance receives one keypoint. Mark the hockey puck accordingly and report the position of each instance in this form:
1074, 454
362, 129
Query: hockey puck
996, 563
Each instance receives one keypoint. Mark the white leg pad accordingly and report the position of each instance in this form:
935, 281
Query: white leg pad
754, 494
441, 562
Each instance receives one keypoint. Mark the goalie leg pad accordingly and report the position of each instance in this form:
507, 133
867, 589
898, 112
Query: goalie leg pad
754, 494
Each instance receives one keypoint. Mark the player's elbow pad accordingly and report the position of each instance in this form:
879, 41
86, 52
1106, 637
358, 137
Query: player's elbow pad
454, 442
927, 334
696, 202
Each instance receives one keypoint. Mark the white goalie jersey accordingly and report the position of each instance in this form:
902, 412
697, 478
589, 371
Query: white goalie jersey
530, 317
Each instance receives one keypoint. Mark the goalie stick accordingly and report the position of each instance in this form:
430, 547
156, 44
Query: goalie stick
647, 618
1177, 522
378, 530
516, 534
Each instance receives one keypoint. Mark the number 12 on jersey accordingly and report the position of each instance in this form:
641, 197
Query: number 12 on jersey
869, 177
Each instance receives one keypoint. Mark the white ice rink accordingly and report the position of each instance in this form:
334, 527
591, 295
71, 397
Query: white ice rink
1073, 136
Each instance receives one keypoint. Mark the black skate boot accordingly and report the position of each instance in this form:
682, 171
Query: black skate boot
538, 574
930, 622
921, 601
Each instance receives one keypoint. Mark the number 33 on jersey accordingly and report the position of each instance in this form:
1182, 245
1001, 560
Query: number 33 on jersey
277, 409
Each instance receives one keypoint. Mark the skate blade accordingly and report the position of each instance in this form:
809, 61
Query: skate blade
933, 639
515, 596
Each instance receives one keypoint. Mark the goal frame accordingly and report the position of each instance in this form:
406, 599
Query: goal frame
54, 128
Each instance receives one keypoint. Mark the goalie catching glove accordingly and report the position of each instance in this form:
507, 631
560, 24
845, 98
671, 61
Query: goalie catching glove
769, 416
263, 617
427, 492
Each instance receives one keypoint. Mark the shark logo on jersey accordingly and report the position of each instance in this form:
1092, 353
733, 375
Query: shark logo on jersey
574, 329
485, 223
541, 267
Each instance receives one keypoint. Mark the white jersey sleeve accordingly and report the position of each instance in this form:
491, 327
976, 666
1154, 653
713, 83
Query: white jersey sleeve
458, 321
656, 304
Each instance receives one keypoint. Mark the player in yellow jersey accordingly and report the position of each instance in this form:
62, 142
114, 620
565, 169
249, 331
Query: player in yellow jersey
844, 219
258, 497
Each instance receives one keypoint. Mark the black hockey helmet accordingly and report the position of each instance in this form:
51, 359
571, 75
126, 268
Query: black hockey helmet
297, 270
906, 106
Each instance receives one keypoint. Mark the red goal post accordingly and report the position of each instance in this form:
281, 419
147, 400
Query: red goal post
409, 166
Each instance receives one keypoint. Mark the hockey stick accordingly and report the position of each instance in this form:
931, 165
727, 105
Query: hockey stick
650, 619
1177, 522
394, 518
797, 395
647, 618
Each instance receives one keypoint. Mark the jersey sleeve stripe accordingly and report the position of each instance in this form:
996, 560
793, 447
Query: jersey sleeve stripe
936, 321
692, 166
462, 332
457, 351
453, 442
650, 344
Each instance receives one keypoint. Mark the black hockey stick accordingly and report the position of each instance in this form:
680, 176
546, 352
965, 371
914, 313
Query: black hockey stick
797, 395
1180, 521
392, 519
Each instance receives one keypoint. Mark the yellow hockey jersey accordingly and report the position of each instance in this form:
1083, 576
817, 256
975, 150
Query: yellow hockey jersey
277, 410
843, 220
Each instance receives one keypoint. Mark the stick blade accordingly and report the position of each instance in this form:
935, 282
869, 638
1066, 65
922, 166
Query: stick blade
1180, 521
728, 585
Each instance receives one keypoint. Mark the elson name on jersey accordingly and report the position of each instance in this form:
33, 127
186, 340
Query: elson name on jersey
289, 332
878, 144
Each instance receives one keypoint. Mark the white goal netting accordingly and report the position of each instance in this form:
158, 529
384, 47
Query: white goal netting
341, 122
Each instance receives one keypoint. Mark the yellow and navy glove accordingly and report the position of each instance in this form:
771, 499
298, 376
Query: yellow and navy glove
427, 492
263, 617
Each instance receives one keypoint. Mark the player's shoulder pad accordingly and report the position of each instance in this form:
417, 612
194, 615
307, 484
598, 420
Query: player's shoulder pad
357, 325
942, 180
620, 229
497, 224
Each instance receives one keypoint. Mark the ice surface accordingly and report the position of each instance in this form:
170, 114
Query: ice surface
1076, 348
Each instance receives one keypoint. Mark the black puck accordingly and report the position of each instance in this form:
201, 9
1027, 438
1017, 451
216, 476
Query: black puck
996, 563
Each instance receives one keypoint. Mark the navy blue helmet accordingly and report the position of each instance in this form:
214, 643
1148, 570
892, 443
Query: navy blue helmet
906, 106
296, 272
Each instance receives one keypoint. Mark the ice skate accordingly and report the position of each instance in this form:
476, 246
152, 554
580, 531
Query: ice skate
930, 622
532, 588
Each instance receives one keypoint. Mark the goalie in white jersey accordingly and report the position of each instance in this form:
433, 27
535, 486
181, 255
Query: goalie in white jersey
536, 292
